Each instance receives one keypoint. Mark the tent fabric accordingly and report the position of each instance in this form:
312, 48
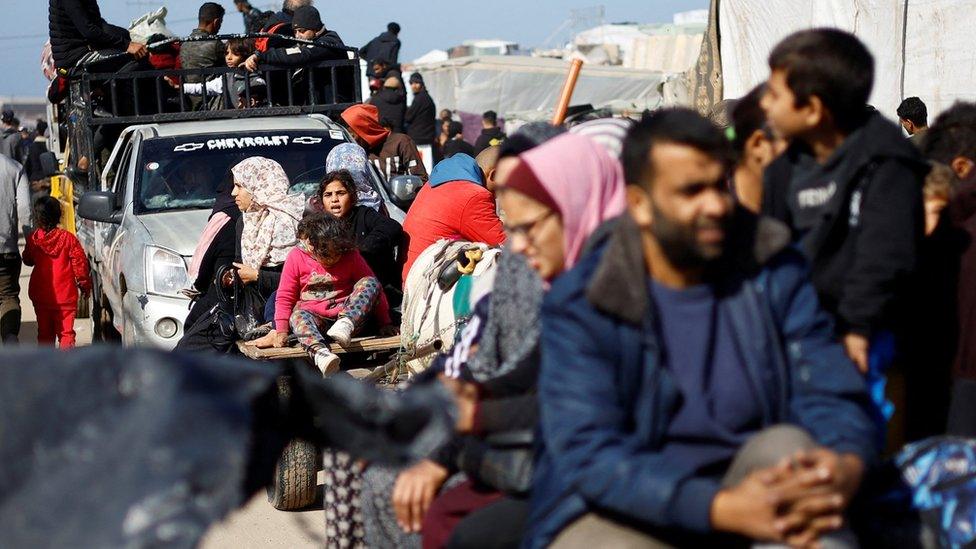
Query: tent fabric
929, 39
942, 65
507, 84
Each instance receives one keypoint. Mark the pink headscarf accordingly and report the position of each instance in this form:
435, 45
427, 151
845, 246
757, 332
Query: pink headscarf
584, 182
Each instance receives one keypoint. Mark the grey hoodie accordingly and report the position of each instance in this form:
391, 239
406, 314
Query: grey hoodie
15, 208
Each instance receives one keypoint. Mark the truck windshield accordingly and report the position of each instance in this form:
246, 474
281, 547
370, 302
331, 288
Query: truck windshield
184, 172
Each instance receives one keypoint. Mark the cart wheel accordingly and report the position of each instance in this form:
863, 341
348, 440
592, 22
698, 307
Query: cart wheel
295, 483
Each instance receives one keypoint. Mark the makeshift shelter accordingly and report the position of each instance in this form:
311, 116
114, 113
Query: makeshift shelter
922, 48
515, 84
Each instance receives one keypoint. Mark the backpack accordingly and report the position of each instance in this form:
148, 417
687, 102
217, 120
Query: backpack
261, 44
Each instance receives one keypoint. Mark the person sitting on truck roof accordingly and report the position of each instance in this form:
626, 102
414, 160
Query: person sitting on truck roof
393, 153
202, 53
323, 45
77, 32
307, 25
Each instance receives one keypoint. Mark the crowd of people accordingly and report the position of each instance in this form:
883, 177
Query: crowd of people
692, 324
689, 337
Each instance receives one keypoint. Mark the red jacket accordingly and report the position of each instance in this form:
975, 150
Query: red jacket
60, 269
457, 210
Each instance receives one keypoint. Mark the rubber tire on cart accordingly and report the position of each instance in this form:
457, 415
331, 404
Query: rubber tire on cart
295, 483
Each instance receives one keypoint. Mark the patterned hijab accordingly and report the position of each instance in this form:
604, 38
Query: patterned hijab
352, 158
270, 223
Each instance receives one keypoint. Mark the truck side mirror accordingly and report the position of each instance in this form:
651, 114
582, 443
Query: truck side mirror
49, 164
99, 206
404, 188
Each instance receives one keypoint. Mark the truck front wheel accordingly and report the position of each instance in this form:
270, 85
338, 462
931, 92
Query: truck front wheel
103, 330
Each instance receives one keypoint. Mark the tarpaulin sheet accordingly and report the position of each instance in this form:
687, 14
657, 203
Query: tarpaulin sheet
109, 447
941, 52
507, 84
749, 29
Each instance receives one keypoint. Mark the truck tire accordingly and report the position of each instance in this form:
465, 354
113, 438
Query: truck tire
295, 482
103, 330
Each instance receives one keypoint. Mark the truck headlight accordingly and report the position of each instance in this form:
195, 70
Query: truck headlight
165, 272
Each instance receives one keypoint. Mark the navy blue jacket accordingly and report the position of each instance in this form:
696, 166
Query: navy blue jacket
606, 400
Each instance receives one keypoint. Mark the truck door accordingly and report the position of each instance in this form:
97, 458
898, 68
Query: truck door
112, 236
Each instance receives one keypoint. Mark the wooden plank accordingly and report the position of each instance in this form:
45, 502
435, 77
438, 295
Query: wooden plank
358, 345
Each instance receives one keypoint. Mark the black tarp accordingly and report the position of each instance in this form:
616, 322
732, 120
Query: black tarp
111, 447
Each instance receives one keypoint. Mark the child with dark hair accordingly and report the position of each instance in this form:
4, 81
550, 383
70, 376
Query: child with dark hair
235, 54
850, 186
60, 270
325, 284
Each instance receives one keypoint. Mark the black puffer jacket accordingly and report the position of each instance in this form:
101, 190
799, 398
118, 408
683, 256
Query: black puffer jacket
386, 46
76, 27
420, 118
392, 106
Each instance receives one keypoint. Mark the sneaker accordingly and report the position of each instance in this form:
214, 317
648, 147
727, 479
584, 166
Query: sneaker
341, 331
326, 361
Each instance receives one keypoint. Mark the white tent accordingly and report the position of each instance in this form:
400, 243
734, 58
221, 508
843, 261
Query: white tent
922, 48
509, 84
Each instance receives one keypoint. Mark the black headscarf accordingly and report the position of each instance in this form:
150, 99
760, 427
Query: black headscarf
225, 202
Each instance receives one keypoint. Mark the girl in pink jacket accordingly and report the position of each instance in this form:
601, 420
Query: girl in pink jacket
325, 285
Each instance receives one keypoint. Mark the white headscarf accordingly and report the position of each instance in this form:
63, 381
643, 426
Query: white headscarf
271, 221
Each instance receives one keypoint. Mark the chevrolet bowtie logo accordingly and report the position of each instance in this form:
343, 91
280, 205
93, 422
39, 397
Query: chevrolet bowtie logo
188, 147
306, 140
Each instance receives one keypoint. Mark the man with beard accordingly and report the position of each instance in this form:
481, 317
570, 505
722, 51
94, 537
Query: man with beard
692, 393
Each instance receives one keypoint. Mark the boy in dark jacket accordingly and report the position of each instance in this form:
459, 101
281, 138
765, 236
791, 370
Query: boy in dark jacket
60, 270
853, 184
683, 359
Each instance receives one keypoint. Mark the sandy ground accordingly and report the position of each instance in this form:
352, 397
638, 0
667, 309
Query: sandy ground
257, 524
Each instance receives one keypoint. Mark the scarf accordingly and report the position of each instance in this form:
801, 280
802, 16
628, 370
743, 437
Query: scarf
364, 120
225, 210
352, 158
271, 221
513, 327
584, 183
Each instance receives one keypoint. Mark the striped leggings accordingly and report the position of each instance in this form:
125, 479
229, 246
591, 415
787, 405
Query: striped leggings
309, 327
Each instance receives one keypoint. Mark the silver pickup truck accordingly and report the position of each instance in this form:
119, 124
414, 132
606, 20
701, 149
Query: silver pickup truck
140, 228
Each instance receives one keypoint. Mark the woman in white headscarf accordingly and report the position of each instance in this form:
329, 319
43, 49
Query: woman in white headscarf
270, 216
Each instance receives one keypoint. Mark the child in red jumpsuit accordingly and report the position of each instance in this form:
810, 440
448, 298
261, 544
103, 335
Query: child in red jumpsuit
60, 270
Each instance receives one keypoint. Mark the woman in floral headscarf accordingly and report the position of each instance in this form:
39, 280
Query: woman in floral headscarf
270, 216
